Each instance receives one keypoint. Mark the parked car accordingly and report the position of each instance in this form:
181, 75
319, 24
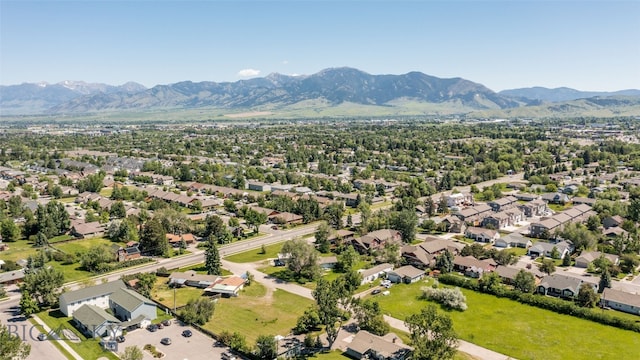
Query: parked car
165, 341
376, 292
152, 328
160, 326
42, 337
120, 339
166, 322
227, 356
187, 333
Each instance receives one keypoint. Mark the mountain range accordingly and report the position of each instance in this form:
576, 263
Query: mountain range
332, 87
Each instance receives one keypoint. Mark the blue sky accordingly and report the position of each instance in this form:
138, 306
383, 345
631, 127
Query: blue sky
587, 45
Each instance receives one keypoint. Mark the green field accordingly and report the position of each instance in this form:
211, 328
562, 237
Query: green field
87, 348
20, 249
162, 293
83, 245
257, 311
256, 254
518, 330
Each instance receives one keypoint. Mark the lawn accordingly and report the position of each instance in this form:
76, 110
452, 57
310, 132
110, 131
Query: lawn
258, 312
83, 245
162, 293
20, 249
59, 238
86, 348
256, 254
517, 330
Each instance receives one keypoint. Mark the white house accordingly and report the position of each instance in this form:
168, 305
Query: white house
375, 272
620, 300
94, 295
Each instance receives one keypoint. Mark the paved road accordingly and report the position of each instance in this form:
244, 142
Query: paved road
273, 283
28, 332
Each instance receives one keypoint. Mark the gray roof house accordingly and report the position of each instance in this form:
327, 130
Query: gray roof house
366, 345
95, 322
542, 248
620, 300
375, 272
405, 274
133, 308
97, 295
561, 286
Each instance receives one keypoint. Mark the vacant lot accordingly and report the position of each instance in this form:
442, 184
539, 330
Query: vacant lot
163, 294
522, 331
258, 312
256, 255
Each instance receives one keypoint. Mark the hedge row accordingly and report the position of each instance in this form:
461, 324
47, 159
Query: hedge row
544, 302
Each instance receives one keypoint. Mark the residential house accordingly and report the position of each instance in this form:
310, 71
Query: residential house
423, 255
229, 286
482, 234
406, 274
175, 240
132, 308
97, 295
453, 224
612, 221
94, 322
365, 345
193, 279
125, 253
613, 232
536, 207
473, 267
12, 277
526, 196
497, 220
459, 199
620, 300
543, 248
369, 275
258, 186
88, 230
328, 262
556, 198
583, 200
377, 240
513, 240
474, 215
286, 218
587, 257
508, 274
503, 203
561, 286
341, 237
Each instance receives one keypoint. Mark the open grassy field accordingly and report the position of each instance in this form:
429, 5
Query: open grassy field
20, 249
257, 311
87, 348
162, 293
518, 330
83, 245
256, 255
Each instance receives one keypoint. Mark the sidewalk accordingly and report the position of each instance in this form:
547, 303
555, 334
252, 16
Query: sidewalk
61, 342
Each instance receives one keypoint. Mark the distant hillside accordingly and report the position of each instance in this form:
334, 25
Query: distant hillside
596, 106
542, 94
335, 86
39, 98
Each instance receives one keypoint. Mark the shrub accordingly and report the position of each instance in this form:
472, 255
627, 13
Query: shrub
450, 298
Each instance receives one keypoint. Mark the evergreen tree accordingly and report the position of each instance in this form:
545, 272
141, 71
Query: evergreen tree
212, 258
28, 305
605, 280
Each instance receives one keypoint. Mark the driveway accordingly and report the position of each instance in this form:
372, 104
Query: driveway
196, 347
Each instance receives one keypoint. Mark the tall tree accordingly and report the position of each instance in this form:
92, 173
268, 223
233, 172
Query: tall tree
444, 262
328, 311
432, 335
44, 285
333, 214
524, 281
587, 297
28, 306
547, 266
322, 238
212, 258
9, 230
12, 347
406, 222
302, 260
369, 316
605, 280
266, 347
153, 239
197, 311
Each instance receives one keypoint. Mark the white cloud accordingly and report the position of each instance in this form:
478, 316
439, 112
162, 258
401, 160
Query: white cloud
285, 62
248, 72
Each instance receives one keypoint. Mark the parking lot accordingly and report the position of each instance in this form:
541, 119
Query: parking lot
196, 347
